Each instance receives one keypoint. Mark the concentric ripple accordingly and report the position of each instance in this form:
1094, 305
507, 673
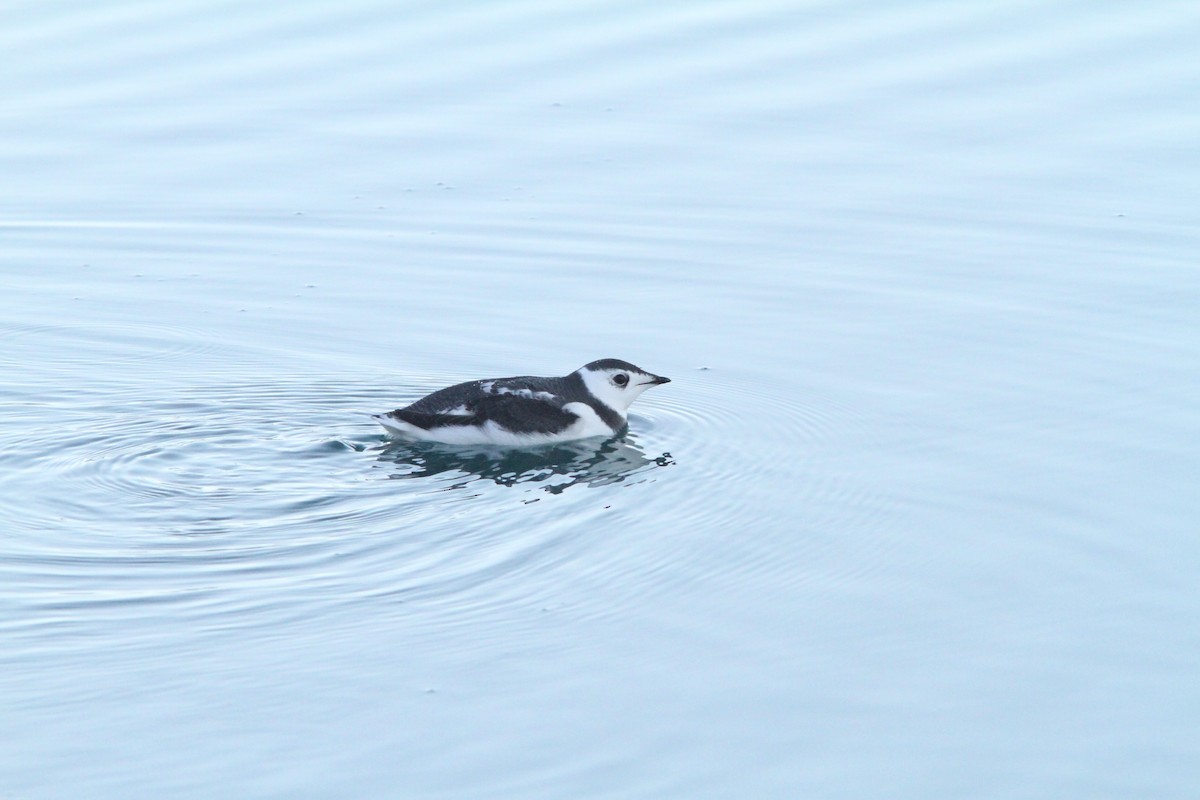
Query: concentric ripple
775, 468
68, 346
218, 498
256, 500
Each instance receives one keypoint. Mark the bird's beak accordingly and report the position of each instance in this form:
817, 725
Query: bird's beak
655, 380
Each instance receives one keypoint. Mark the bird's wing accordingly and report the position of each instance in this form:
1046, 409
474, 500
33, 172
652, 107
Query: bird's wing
532, 412
536, 414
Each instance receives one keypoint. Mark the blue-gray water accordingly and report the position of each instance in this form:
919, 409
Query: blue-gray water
916, 518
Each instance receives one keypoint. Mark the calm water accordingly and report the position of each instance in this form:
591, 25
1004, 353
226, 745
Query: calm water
916, 517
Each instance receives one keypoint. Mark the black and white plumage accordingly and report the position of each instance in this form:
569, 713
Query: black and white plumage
526, 410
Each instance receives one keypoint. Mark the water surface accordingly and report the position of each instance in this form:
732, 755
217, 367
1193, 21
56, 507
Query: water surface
914, 518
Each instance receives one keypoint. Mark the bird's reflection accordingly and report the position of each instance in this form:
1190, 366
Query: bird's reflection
557, 466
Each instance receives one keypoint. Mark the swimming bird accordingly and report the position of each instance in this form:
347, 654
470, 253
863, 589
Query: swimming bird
526, 410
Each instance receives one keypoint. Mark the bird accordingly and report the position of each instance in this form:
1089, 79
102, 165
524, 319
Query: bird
526, 410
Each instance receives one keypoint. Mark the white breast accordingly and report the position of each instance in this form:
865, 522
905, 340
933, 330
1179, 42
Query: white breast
589, 423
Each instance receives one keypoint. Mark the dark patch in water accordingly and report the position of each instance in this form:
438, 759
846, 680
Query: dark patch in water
580, 463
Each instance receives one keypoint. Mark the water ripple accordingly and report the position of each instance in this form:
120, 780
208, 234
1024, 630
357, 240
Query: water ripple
252, 501
223, 498
69, 346
792, 488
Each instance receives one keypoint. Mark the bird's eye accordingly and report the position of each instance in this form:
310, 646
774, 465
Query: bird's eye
620, 379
